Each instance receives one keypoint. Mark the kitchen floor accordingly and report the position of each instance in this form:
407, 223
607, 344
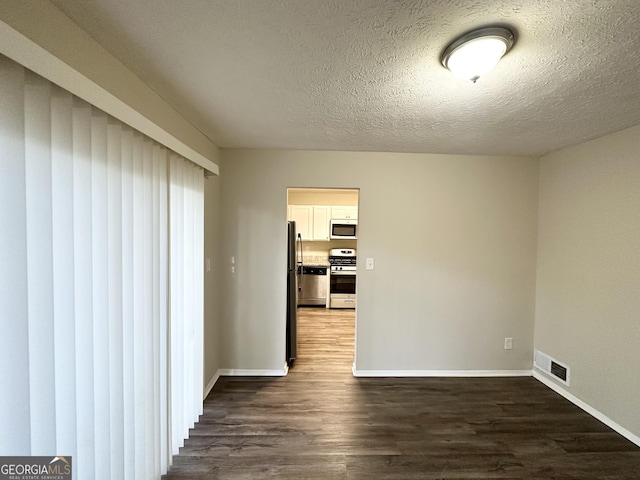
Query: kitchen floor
325, 340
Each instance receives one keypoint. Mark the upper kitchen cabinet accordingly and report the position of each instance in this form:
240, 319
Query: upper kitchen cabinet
312, 221
303, 216
344, 213
321, 217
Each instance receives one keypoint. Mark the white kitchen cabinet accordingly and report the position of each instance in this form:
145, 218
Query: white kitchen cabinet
312, 221
344, 213
321, 217
303, 216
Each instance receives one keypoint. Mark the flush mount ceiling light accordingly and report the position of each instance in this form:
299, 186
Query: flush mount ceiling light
475, 53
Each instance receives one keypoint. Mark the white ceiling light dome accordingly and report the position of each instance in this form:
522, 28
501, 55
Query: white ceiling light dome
476, 52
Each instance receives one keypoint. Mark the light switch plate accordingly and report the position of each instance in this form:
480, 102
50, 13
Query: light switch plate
370, 264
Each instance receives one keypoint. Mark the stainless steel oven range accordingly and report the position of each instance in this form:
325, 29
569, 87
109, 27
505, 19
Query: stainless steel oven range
342, 278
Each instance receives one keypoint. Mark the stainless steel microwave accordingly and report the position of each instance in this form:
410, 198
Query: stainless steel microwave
345, 229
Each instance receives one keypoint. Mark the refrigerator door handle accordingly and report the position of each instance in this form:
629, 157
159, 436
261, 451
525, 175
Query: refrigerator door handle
300, 264
301, 261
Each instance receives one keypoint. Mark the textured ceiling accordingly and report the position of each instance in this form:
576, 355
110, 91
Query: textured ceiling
365, 74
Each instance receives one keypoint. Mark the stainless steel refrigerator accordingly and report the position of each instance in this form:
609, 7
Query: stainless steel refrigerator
292, 292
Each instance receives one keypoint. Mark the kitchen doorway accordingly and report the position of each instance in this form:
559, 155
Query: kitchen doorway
322, 278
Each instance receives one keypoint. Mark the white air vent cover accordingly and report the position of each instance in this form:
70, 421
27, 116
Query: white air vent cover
551, 367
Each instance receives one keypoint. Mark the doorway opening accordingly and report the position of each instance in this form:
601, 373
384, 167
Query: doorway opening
322, 278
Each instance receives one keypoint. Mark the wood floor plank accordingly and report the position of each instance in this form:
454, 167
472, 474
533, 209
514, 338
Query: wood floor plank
319, 422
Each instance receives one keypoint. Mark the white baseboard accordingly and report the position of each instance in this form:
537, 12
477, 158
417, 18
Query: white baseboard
586, 407
249, 372
211, 384
441, 373
242, 373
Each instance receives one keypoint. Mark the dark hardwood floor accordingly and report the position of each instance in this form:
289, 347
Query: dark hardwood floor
320, 422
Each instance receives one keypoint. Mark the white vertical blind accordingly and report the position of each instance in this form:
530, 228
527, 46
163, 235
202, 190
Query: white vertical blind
96, 221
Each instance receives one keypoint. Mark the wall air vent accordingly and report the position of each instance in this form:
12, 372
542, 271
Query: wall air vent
551, 367
559, 371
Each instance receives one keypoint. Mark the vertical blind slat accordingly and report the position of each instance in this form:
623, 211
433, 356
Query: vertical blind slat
83, 289
198, 302
161, 303
37, 129
100, 259
129, 290
189, 343
63, 270
148, 406
114, 232
140, 299
176, 323
14, 341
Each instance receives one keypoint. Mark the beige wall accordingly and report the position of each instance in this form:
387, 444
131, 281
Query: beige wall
588, 280
212, 278
454, 280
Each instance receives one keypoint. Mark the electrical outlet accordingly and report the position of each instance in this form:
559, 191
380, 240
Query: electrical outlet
508, 343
